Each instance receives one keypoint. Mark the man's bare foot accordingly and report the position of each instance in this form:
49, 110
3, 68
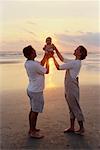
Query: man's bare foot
69, 130
35, 130
36, 135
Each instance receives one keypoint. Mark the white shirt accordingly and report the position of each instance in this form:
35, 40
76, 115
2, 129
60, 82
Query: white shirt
73, 66
35, 72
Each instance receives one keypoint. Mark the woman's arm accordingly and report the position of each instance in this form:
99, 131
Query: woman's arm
59, 54
55, 62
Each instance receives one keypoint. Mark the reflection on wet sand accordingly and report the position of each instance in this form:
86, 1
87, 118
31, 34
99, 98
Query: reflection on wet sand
13, 76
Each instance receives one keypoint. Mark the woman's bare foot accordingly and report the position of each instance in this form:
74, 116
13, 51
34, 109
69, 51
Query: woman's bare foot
80, 131
69, 130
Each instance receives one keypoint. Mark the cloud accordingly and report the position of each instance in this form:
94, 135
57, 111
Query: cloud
18, 45
88, 38
31, 23
28, 31
13, 45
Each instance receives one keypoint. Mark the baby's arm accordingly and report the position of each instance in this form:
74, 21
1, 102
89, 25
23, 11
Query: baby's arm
54, 47
44, 48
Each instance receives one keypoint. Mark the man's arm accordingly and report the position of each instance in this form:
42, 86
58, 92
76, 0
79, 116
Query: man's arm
46, 57
47, 61
43, 60
55, 62
47, 66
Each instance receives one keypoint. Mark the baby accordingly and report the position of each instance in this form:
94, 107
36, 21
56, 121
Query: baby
49, 47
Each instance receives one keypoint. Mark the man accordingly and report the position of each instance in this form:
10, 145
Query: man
35, 72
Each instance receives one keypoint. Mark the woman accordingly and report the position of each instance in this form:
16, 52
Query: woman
72, 68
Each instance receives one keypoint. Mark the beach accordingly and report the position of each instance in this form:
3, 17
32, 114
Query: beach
52, 122
14, 109
72, 25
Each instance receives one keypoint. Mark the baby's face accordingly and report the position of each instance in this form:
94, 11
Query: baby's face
48, 41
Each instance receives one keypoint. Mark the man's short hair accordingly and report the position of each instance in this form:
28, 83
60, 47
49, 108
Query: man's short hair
27, 51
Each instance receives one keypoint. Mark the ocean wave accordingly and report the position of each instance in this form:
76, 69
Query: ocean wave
92, 61
9, 62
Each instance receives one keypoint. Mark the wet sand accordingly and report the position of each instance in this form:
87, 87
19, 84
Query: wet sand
55, 118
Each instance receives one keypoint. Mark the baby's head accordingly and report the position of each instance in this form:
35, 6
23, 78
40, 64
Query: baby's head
48, 40
80, 52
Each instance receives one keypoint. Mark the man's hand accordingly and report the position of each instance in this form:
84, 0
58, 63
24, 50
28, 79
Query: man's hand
46, 57
50, 54
56, 63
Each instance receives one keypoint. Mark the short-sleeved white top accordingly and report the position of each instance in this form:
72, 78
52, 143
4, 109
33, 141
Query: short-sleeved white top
35, 72
73, 66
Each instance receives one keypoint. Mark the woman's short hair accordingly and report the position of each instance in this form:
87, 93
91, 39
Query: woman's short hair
83, 51
27, 51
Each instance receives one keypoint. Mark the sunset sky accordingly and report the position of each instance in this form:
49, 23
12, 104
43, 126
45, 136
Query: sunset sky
69, 23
